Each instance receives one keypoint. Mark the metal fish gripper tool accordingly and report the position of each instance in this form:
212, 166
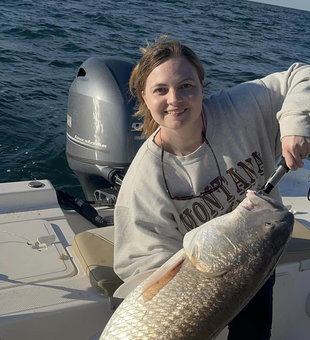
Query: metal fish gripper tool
275, 177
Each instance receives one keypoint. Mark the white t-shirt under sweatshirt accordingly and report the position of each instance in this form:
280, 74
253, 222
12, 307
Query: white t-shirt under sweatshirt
244, 126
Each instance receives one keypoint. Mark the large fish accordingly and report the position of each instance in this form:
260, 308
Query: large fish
201, 288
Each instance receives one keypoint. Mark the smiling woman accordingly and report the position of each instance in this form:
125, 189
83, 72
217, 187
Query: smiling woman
200, 158
173, 94
153, 56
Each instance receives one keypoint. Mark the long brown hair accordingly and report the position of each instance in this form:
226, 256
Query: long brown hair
154, 55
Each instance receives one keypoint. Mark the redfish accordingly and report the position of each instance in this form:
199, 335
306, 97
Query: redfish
196, 293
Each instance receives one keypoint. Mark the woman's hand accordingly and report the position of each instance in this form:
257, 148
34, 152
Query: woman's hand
294, 150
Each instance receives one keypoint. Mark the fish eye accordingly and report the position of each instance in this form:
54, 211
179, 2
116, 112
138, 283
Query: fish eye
270, 225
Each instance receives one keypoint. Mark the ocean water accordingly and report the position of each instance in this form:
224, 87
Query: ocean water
43, 43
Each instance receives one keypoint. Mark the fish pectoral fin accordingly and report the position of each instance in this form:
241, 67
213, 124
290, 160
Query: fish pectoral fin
163, 275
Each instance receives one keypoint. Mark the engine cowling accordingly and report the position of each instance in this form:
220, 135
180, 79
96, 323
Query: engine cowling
102, 136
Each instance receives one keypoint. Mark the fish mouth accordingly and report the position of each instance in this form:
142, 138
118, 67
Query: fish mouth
257, 202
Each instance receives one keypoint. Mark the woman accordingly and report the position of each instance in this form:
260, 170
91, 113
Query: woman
200, 158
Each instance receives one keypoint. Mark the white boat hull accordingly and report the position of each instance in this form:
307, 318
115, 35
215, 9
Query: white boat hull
55, 300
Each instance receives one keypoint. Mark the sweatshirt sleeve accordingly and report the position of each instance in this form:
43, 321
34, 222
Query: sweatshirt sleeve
289, 97
146, 231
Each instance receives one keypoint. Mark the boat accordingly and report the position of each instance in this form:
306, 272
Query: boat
56, 251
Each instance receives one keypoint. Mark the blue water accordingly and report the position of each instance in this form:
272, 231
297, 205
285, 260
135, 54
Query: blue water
42, 44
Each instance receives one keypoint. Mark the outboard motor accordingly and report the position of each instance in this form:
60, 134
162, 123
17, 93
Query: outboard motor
102, 138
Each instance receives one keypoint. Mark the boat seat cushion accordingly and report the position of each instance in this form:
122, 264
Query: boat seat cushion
95, 251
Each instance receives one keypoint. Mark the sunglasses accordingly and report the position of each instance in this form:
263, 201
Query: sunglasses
185, 198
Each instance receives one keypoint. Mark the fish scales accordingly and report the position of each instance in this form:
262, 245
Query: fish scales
196, 304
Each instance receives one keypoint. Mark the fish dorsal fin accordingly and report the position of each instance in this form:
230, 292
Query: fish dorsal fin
163, 275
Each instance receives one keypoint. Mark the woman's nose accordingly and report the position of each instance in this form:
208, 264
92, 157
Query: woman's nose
174, 96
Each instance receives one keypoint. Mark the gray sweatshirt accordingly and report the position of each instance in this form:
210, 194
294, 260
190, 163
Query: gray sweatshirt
244, 127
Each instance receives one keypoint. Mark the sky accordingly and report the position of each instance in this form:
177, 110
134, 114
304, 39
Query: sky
299, 4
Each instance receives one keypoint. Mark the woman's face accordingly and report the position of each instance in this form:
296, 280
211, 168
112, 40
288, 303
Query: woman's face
173, 94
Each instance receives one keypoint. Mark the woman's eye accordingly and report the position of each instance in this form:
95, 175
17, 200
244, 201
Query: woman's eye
186, 86
160, 90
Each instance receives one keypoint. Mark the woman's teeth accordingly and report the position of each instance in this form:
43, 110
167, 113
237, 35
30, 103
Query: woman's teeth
175, 112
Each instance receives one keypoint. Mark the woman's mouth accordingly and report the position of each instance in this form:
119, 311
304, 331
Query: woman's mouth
175, 112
